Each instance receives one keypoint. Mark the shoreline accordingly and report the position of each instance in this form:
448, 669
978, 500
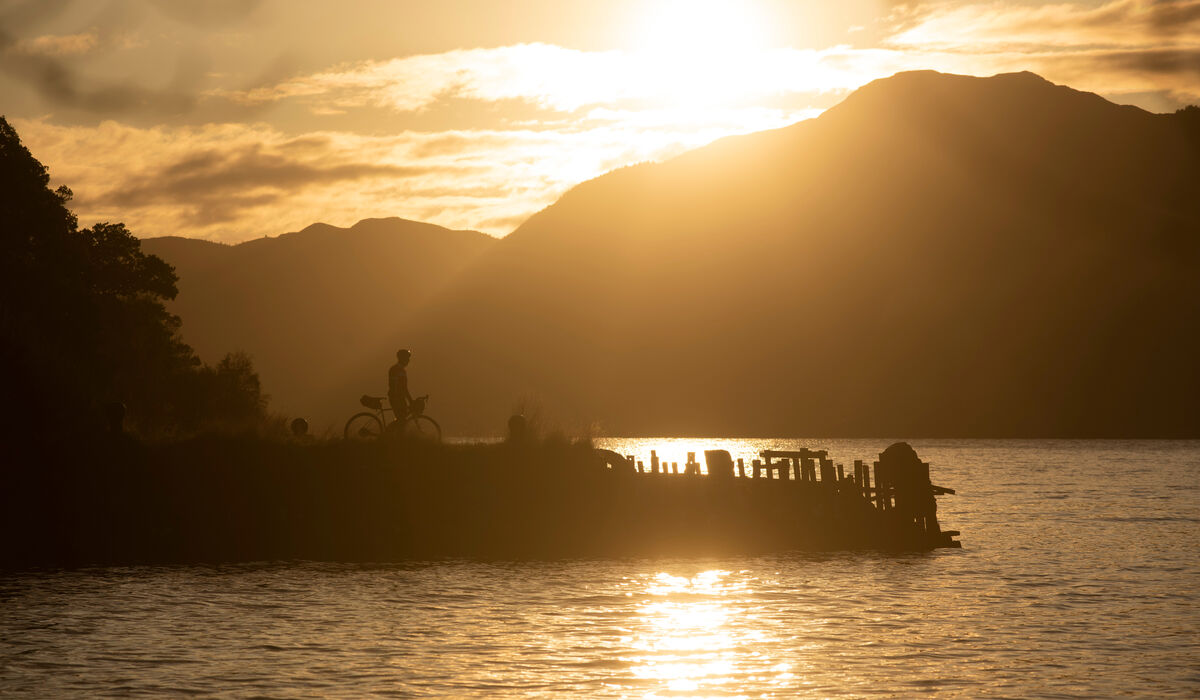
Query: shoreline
217, 499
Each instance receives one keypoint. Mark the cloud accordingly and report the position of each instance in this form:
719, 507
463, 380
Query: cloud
57, 45
61, 69
61, 85
1119, 47
568, 80
232, 182
997, 25
218, 185
549, 75
48, 64
1136, 46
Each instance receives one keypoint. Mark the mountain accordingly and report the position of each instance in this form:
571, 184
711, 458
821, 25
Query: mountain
317, 309
938, 255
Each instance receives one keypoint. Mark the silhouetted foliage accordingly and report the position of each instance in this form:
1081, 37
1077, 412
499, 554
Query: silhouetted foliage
1189, 117
230, 391
82, 321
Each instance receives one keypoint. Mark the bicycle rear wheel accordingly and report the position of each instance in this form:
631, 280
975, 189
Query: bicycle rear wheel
363, 426
423, 427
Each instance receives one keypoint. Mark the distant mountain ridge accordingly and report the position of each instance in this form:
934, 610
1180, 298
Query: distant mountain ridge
314, 305
937, 255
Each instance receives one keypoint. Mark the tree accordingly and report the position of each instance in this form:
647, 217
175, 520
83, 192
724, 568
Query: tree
83, 321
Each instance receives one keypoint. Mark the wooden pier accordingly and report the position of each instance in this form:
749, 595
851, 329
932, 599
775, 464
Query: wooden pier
890, 501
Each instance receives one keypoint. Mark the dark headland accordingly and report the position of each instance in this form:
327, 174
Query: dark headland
229, 499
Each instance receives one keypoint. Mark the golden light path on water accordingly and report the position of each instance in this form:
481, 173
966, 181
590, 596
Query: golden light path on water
687, 641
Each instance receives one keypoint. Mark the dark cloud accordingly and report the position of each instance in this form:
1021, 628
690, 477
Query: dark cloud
216, 185
60, 83
64, 83
1171, 62
1173, 72
1165, 19
1173, 17
229, 208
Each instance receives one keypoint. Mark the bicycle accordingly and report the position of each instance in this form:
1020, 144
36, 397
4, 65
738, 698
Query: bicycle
371, 426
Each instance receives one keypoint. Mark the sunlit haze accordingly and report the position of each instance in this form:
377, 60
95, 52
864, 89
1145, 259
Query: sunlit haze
230, 121
599, 348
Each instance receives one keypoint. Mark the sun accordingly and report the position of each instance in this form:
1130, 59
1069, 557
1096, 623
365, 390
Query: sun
699, 53
697, 28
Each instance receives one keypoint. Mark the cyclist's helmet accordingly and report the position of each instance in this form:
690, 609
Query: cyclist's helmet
403, 354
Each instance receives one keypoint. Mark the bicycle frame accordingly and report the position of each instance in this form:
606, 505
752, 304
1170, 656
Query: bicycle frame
416, 409
380, 407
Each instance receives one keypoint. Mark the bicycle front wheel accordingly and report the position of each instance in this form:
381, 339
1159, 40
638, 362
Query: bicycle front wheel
423, 427
363, 426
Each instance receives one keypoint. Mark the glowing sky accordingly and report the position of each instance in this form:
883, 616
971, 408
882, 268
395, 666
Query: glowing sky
233, 120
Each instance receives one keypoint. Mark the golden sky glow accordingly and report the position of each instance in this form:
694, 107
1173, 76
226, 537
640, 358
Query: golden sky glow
232, 120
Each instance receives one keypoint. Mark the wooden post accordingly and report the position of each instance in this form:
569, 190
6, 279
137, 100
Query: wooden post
653, 462
841, 474
757, 468
741, 468
641, 467
674, 467
828, 476
720, 464
858, 480
811, 467
866, 481
796, 473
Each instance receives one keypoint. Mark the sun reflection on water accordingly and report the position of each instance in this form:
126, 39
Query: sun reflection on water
691, 639
676, 450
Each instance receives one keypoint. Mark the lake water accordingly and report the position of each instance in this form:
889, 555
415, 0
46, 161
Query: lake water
1079, 577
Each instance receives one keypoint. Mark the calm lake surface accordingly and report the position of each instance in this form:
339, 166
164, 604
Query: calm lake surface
1079, 577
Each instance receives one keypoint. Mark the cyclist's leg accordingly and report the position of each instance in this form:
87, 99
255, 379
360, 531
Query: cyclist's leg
399, 411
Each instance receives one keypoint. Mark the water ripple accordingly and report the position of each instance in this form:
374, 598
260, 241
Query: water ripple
1072, 583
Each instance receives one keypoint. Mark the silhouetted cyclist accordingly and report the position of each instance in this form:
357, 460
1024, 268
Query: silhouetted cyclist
398, 394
